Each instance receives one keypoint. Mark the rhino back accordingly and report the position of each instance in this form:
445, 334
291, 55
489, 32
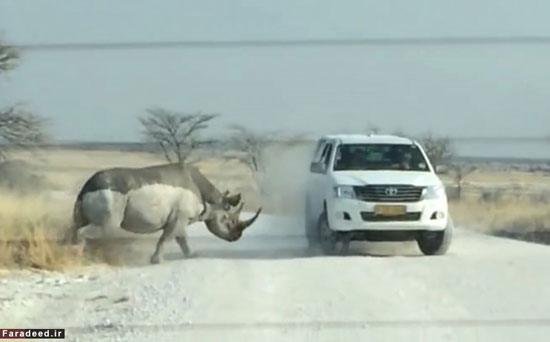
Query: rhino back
123, 180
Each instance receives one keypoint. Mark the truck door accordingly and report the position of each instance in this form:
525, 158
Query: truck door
319, 181
312, 180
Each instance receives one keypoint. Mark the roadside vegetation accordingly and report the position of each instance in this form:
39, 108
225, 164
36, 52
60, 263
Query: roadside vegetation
26, 221
30, 226
518, 216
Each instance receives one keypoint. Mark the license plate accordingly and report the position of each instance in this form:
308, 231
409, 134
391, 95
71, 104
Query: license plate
390, 210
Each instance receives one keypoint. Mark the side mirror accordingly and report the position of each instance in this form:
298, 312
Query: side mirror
317, 167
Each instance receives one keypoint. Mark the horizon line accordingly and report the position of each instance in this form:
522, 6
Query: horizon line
259, 43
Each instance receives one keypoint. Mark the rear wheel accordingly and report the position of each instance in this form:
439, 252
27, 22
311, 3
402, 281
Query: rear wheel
436, 243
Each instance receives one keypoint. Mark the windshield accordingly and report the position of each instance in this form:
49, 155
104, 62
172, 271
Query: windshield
402, 157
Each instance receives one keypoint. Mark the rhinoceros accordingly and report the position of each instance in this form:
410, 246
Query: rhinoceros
166, 197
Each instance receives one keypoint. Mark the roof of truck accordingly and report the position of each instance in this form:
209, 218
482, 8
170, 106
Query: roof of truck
368, 139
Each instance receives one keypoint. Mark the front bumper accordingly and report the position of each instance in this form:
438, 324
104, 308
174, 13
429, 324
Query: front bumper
356, 215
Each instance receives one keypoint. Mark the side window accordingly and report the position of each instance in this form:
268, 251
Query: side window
326, 155
320, 148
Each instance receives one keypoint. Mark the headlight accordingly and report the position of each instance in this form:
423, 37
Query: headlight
434, 192
344, 191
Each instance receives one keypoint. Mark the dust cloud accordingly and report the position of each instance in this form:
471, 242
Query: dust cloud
283, 184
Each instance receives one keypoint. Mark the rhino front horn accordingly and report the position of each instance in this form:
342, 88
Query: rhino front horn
242, 225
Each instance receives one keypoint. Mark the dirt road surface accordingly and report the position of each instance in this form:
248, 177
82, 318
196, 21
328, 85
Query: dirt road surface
264, 288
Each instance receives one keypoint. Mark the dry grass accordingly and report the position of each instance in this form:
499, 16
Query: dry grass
30, 227
510, 214
491, 177
67, 169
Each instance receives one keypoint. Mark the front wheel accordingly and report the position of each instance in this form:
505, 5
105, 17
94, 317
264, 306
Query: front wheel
436, 243
327, 236
312, 231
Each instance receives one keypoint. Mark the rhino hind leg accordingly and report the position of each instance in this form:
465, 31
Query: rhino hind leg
73, 237
91, 231
81, 235
103, 211
78, 236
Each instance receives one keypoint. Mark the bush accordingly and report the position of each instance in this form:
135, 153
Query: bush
30, 229
17, 176
491, 195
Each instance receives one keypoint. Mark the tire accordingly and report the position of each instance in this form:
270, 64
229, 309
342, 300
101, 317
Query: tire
311, 230
328, 239
436, 243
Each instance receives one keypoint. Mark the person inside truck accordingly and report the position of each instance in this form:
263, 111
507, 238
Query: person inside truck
399, 158
343, 159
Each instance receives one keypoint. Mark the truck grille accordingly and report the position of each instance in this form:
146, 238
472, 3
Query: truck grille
372, 217
388, 193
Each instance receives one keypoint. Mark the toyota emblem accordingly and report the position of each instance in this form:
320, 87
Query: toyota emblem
391, 191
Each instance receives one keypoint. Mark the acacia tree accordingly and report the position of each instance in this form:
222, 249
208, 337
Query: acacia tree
460, 172
251, 146
176, 134
8, 57
439, 149
18, 127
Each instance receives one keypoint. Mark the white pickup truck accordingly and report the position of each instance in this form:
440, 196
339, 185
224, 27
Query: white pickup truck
375, 188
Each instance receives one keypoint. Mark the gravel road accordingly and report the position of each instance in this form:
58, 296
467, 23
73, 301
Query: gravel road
264, 288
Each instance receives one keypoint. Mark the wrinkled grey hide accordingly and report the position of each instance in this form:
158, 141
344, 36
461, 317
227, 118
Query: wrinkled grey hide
164, 197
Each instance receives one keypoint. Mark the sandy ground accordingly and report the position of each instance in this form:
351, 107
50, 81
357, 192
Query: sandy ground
264, 288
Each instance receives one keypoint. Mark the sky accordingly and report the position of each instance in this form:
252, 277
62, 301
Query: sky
460, 90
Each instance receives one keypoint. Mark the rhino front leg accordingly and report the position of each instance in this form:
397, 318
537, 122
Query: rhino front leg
167, 233
182, 242
181, 238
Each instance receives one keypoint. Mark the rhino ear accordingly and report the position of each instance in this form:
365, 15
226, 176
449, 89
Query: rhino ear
234, 200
